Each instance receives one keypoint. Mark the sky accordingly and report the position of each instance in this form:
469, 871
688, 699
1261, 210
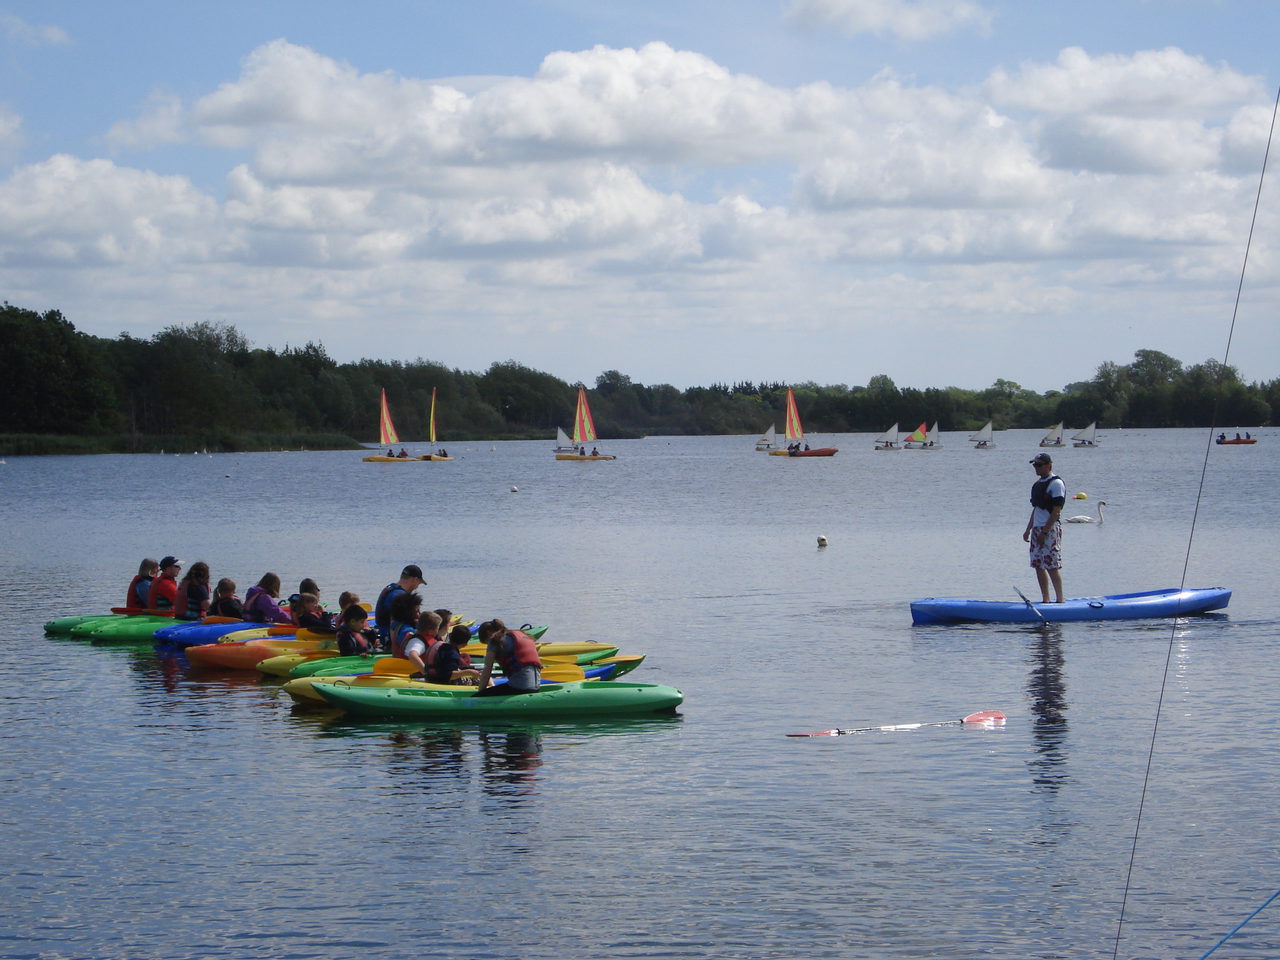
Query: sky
947, 192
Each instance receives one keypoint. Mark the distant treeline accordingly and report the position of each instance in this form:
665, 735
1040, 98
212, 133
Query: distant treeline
205, 386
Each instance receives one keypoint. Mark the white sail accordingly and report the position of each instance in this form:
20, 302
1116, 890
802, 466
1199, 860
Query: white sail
931, 441
1088, 436
769, 440
563, 443
1054, 437
982, 440
888, 440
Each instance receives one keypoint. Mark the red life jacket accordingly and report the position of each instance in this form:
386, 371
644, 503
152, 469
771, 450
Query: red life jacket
524, 653
401, 634
163, 591
133, 601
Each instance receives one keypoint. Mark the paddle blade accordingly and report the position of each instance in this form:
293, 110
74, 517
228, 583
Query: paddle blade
393, 667
562, 672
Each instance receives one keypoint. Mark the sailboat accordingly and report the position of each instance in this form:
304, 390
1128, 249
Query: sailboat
584, 432
437, 453
1086, 437
769, 440
916, 438
982, 439
931, 441
387, 436
888, 440
795, 436
1054, 437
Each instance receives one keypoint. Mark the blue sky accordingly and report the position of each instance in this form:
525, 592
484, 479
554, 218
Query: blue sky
944, 191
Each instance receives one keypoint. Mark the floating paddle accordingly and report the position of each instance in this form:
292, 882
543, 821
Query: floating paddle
989, 717
1031, 605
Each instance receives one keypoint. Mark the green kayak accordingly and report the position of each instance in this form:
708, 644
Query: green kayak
62, 626
129, 629
567, 701
554, 702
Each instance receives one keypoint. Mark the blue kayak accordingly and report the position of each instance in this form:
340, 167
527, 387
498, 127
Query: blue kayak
196, 633
1118, 606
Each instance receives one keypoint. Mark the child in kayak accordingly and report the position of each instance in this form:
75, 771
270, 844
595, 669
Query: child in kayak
403, 622
225, 602
308, 615
417, 649
516, 652
140, 586
444, 660
191, 601
354, 640
260, 604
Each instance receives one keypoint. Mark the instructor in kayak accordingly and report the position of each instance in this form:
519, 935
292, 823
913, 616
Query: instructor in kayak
410, 580
1044, 531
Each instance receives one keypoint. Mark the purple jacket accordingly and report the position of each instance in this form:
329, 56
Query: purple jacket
261, 607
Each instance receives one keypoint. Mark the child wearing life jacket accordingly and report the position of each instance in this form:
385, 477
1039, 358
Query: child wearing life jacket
260, 604
140, 585
424, 638
444, 660
402, 622
354, 637
191, 601
225, 602
516, 652
309, 615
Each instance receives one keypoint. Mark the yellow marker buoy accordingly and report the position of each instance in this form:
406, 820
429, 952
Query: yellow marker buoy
1081, 496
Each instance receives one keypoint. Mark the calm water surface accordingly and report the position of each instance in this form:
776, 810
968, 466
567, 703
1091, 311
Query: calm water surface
154, 812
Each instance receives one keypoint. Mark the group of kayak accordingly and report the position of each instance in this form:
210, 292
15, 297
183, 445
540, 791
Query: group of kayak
406, 663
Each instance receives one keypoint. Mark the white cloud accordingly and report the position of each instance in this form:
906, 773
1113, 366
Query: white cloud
160, 122
911, 20
32, 34
507, 208
1164, 83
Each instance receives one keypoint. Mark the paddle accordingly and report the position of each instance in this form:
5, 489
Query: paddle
988, 717
556, 672
1031, 605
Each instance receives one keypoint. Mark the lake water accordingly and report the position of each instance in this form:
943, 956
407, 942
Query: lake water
151, 812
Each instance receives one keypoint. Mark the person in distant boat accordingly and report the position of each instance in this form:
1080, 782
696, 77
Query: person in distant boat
390, 452
354, 637
164, 588
260, 602
424, 639
1247, 435
225, 602
806, 446
192, 599
140, 585
1044, 531
1222, 438
403, 454
445, 662
1237, 434
516, 652
595, 451
410, 579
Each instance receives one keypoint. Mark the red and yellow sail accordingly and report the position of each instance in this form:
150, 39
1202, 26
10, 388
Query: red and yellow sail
433, 415
794, 430
584, 428
386, 429
918, 435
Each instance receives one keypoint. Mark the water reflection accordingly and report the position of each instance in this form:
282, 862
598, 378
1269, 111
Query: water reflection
1047, 697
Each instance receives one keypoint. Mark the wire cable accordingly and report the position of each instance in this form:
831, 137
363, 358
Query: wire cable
1186, 562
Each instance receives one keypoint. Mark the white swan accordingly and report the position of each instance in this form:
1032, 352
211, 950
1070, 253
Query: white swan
1085, 518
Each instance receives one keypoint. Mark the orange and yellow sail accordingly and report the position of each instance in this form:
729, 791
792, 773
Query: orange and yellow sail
386, 429
919, 434
794, 430
584, 428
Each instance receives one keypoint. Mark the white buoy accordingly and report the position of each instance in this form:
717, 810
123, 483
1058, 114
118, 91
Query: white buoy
515, 489
822, 541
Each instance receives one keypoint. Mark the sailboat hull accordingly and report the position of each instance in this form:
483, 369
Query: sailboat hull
383, 458
819, 452
579, 456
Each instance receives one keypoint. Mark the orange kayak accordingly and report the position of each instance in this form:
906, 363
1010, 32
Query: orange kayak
245, 654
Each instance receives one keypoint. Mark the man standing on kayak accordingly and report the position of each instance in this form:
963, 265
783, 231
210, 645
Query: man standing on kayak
1044, 531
